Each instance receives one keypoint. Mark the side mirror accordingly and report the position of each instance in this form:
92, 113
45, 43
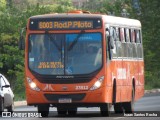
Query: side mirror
21, 40
6, 86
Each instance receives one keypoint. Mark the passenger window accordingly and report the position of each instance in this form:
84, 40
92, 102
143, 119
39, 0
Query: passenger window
138, 37
133, 35
127, 36
114, 38
122, 35
113, 33
117, 34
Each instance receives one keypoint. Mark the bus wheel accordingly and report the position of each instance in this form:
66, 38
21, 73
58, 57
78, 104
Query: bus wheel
129, 106
72, 111
105, 110
61, 111
44, 110
118, 108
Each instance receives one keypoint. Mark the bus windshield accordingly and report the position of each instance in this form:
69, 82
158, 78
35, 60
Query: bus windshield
51, 54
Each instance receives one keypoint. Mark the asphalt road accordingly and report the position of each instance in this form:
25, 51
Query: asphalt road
148, 105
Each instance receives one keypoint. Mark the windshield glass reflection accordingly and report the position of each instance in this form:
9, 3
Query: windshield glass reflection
49, 53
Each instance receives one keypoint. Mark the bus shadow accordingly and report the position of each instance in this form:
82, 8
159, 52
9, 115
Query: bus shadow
85, 114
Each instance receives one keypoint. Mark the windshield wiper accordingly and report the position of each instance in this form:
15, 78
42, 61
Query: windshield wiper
53, 40
75, 40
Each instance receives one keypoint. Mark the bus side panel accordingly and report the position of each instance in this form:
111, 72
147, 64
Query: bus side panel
124, 77
112, 75
140, 87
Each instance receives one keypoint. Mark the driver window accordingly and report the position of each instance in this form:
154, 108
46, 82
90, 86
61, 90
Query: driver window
113, 37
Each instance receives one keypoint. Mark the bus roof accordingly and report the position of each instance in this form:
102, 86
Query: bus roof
121, 21
66, 15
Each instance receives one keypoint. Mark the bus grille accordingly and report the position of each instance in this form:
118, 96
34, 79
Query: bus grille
56, 97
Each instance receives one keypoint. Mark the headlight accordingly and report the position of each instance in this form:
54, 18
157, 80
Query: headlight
32, 85
97, 84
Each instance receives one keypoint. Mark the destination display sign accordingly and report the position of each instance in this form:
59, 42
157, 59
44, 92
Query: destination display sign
64, 24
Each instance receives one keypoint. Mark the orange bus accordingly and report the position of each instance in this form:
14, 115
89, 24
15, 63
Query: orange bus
79, 59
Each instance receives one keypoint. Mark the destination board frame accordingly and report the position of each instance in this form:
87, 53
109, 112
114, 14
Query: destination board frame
82, 23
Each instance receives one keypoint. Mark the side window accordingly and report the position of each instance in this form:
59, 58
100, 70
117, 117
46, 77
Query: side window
113, 33
138, 37
114, 38
6, 81
122, 38
117, 34
127, 35
133, 35
139, 45
109, 56
130, 47
118, 43
123, 43
2, 81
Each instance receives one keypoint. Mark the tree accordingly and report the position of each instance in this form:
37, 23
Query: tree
12, 19
150, 23
9, 3
110, 7
2, 5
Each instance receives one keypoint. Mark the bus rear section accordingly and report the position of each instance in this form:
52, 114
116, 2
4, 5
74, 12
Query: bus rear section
125, 62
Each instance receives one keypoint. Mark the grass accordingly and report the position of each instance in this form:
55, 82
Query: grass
19, 97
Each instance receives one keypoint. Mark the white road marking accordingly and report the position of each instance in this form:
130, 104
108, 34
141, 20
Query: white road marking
118, 118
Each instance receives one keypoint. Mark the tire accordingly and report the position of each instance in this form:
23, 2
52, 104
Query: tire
105, 110
114, 92
61, 111
44, 110
72, 111
129, 106
118, 108
11, 108
1, 105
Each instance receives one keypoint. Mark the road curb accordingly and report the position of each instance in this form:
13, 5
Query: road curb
152, 91
20, 103
23, 103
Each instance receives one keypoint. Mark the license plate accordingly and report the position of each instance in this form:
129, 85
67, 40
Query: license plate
65, 100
